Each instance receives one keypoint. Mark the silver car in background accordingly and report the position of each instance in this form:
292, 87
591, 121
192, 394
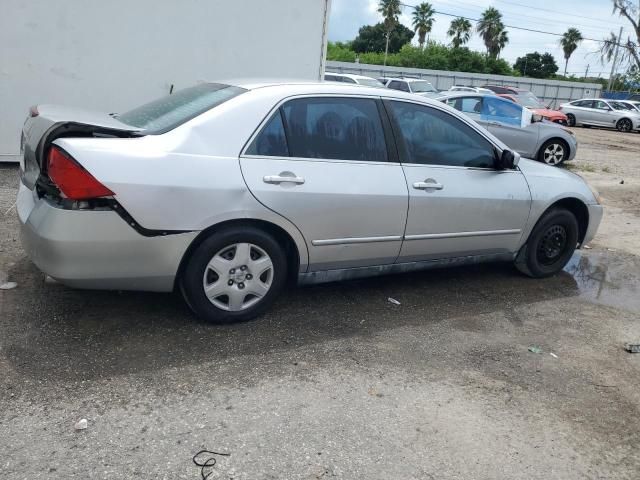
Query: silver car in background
227, 192
412, 85
516, 126
601, 113
352, 78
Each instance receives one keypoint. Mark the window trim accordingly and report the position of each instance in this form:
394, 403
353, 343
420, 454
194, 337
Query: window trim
392, 150
401, 146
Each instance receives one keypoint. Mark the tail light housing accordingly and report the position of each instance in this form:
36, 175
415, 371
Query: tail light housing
73, 181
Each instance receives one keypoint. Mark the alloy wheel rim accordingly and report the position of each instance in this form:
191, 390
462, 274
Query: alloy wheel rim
553, 154
238, 276
552, 245
625, 125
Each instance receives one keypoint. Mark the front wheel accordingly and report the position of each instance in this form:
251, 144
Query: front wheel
234, 275
571, 120
553, 152
624, 125
550, 245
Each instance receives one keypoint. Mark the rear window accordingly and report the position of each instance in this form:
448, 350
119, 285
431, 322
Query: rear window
171, 111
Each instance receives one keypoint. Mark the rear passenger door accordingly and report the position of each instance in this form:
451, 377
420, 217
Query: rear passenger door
323, 163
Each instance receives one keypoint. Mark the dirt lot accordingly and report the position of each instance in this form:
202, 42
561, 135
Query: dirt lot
336, 382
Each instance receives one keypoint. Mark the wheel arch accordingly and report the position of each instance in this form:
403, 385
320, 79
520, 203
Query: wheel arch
578, 208
279, 233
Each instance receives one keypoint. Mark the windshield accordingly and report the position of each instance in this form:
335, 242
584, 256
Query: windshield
422, 86
370, 82
168, 112
528, 99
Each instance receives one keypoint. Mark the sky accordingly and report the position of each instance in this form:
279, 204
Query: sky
593, 18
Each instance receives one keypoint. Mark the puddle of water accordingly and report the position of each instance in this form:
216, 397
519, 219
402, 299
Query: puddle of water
607, 278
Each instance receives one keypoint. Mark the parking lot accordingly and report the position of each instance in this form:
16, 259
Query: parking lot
336, 381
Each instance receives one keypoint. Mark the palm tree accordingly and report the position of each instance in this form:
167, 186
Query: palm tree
423, 20
491, 29
460, 30
569, 42
390, 9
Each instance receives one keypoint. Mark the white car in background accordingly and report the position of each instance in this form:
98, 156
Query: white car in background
413, 85
352, 79
601, 112
461, 88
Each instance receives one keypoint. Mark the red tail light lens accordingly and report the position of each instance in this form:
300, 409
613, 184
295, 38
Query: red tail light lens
72, 179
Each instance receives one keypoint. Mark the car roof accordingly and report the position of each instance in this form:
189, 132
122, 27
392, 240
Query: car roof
461, 94
301, 87
407, 79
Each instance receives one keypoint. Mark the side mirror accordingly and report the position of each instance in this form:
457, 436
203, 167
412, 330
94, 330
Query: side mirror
508, 160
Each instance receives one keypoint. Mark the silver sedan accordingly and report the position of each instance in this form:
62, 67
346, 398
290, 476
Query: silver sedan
601, 113
518, 127
227, 192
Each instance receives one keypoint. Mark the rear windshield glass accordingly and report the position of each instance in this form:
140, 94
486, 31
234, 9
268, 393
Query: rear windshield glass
168, 112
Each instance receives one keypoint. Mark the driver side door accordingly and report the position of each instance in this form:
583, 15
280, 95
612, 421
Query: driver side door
459, 205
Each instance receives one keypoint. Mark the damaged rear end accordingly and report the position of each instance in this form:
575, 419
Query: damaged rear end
47, 123
72, 226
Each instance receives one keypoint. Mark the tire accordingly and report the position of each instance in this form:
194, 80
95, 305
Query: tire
242, 268
571, 120
550, 245
624, 125
553, 152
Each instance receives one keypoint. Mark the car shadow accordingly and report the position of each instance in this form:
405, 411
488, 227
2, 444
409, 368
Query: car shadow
55, 331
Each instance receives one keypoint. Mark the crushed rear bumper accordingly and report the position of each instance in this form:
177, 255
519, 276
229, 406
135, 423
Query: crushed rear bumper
96, 248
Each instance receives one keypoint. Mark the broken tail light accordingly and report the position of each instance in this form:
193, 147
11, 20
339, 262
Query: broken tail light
72, 179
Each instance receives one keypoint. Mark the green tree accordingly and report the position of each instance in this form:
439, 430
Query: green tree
536, 65
390, 10
371, 38
491, 29
629, 47
460, 31
423, 21
569, 42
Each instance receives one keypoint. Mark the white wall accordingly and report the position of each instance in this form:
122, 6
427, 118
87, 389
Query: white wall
112, 55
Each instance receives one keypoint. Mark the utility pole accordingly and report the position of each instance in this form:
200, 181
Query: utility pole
615, 59
586, 74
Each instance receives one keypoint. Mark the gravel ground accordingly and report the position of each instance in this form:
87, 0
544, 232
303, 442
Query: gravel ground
336, 382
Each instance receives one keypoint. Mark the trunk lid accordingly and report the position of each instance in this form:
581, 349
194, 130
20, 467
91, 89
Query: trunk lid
48, 122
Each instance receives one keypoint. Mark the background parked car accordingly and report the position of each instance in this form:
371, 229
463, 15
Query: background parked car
529, 100
630, 104
413, 85
461, 88
353, 79
516, 126
601, 113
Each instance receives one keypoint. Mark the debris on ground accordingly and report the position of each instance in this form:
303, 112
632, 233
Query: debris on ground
553, 355
587, 247
621, 182
394, 301
8, 286
632, 347
535, 348
81, 424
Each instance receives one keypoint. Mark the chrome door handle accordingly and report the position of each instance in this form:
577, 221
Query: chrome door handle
282, 179
428, 186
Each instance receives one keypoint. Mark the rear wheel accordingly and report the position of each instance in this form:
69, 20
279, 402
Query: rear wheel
624, 125
553, 152
234, 275
571, 120
550, 245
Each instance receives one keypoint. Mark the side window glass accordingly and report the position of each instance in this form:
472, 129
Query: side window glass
404, 86
600, 105
271, 141
348, 80
502, 111
394, 84
335, 128
471, 105
434, 137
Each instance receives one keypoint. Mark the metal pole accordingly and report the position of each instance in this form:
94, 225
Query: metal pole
586, 74
615, 59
